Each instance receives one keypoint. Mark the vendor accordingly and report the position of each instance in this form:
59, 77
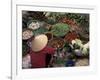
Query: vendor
39, 50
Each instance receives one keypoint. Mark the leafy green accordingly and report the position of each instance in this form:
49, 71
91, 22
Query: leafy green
60, 29
41, 30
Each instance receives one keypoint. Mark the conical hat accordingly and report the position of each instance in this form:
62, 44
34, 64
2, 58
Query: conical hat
39, 42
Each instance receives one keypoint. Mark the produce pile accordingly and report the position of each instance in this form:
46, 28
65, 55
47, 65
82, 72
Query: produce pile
68, 33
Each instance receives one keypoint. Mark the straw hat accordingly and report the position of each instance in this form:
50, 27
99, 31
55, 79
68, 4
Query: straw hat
39, 42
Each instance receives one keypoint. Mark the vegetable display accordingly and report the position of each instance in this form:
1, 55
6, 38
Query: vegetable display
67, 33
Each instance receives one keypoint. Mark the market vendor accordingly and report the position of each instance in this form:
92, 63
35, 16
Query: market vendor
39, 50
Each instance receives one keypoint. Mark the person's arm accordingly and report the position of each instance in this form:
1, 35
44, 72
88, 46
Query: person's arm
50, 50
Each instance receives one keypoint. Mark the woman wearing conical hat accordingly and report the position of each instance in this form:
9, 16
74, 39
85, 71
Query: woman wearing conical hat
39, 50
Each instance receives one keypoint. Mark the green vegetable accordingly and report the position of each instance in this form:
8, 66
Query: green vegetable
41, 30
60, 61
85, 51
51, 21
60, 29
77, 42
